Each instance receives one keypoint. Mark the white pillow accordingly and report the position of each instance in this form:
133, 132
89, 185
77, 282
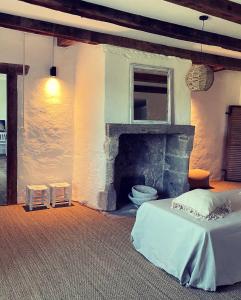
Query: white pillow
203, 204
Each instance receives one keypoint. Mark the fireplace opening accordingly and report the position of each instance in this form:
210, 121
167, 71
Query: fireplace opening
140, 160
155, 154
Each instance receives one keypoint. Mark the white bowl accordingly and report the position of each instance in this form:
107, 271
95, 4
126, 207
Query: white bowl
142, 191
139, 201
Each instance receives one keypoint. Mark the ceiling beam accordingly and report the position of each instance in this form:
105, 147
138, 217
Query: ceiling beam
223, 9
92, 37
64, 42
114, 16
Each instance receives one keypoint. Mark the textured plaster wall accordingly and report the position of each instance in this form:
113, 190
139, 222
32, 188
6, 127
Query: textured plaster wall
45, 134
3, 96
118, 60
89, 157
62, 137
208, 115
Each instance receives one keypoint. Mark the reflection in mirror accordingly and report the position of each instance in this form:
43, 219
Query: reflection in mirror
150, 101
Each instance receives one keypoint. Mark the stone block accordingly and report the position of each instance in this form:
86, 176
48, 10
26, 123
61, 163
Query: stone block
176, 163
107, 199
174, 184
180, 145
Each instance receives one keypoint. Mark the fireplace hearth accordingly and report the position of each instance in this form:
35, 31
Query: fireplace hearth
155, 155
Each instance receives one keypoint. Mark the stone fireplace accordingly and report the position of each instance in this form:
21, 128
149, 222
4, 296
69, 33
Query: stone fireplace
156, 155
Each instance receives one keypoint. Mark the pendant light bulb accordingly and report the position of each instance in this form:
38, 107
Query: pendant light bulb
53, 71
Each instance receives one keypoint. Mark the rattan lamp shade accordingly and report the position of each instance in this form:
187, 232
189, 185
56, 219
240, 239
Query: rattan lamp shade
200, 78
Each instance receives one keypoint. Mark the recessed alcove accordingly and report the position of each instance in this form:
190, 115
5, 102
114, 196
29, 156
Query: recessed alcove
140, 160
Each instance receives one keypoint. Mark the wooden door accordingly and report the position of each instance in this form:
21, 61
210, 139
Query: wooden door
233, 145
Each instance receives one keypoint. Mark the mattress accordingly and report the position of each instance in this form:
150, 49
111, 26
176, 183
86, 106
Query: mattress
199, 253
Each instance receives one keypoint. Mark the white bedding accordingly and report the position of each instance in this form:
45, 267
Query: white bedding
200, 253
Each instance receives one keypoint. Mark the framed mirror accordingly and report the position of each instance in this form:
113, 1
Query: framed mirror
151, 94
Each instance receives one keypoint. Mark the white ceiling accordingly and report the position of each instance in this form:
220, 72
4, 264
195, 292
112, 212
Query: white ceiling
157, 9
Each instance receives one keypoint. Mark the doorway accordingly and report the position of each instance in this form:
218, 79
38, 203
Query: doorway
11, 72
3, 139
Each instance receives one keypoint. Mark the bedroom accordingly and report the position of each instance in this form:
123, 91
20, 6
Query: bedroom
92, 85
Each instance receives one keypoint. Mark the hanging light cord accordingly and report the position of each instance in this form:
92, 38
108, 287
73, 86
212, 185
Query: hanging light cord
53, 53
202, 31
23, 83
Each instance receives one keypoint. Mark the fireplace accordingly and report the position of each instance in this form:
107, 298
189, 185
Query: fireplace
156, 155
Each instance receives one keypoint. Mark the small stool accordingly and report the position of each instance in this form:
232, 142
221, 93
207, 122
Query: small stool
198, 178
60, 193
37, 195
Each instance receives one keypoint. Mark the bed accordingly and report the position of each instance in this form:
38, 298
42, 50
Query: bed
199, 253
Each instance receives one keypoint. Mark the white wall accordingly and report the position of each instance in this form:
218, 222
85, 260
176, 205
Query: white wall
89, 156
3, 97
45, 144
62, 137
118, 89
208, 115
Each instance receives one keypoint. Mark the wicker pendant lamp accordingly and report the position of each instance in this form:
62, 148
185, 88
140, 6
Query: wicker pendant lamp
200, 77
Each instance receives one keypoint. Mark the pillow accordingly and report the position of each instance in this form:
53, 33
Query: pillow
203, 204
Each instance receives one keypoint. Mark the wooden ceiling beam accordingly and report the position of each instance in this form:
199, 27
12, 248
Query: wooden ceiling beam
223, 9
138, 22
64, 42
92, 37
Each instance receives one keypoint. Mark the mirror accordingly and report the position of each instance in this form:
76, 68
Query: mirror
151, 94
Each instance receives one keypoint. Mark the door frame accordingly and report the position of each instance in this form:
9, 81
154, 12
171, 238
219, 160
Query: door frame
12, 71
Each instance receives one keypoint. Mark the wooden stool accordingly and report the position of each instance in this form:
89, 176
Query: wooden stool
60, 193
198, 178
37, 195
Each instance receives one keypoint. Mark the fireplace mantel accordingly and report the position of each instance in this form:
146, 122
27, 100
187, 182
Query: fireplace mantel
118, 129
176, 148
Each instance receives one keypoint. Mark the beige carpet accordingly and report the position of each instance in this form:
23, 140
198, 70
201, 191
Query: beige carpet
78, 253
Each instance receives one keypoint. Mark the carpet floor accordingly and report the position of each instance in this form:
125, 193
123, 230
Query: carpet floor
78, 253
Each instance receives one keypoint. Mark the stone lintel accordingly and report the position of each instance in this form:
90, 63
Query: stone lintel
118, 129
